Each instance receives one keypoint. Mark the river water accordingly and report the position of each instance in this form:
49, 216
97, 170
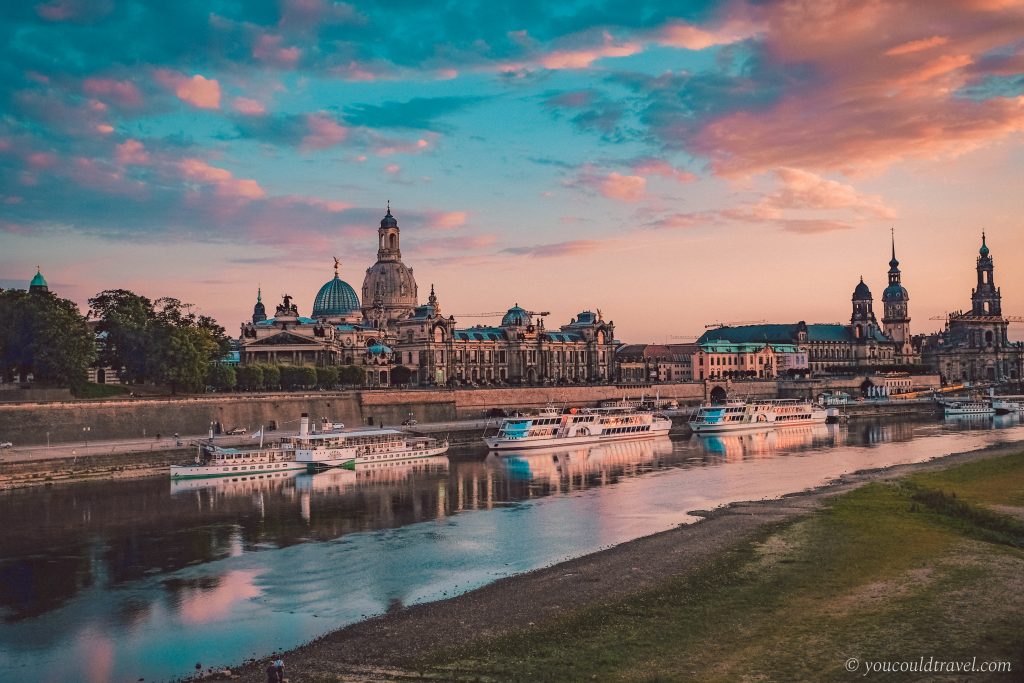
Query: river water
125, 580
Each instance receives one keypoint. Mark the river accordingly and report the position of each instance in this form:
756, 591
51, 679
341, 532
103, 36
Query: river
145, 579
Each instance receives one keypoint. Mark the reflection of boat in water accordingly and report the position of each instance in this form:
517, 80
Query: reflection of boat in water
238, 483
550, 429
737, 416
767, 441
384, 472
585, 459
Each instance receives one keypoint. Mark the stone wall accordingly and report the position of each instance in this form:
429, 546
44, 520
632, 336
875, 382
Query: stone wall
64, 421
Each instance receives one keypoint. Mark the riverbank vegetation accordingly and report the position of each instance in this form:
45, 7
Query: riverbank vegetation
929, 566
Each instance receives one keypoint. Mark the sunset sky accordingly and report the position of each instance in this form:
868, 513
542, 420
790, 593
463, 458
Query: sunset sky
735, 161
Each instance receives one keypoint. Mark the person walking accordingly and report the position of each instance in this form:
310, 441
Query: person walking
279, 667
272, 673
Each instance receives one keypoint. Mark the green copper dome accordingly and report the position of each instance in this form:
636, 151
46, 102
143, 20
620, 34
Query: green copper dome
335, 298
38, 283
516, 316
984, 247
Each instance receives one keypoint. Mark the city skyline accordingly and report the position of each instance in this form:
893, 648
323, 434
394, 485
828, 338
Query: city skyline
671, 170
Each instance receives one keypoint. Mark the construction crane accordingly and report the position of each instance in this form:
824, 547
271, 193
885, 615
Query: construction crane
493, 314
1007, 318
734, 322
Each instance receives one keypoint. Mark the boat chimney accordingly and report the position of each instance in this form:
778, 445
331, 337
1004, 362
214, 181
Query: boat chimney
304, 425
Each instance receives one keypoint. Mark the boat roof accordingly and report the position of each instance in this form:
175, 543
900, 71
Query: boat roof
348, 432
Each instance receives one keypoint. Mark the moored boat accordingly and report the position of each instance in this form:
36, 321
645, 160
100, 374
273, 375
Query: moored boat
576, 426
742, 415
331, 446
951, 408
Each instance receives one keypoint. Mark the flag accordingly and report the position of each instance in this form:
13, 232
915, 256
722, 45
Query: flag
258, 434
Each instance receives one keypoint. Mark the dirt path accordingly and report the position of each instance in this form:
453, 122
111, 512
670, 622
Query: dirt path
377, 649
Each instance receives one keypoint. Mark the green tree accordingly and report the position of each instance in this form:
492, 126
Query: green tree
289, 377
46, 336
250, 377
352, 374
222, 376
125, 327
271, 377
306, 377
327, 377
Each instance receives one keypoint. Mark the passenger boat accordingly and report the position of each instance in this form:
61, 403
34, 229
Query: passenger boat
968, 408
1002, 405
576, 426
740, 415
331, 446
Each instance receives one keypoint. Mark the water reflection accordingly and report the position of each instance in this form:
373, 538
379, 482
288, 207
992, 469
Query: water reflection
148, 576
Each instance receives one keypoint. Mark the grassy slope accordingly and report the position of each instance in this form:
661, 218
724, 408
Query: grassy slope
878, 575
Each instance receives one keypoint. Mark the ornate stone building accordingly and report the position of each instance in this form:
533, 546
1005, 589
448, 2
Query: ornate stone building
974, 345
398, 341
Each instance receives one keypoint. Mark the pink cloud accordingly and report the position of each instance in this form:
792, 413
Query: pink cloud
690, 37
393, 169
917, 45
123, 93
575, 57
449, 220
68, 10
323, 132
901, 101
626, 188
104, 128
199, 91
132, 152
268, 49
648, 167
805, 190
558, 249
249, 107
223, 180
412, 147
40, 160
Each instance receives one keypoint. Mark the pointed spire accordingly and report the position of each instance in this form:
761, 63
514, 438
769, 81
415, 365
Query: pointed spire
259, 294
984, 247
389, 208
894, 264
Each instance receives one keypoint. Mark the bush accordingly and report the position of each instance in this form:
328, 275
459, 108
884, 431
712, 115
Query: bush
327, 377
350, 374
271, 377
222, 377
250, 377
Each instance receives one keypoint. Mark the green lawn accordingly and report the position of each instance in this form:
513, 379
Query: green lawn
93, 390
883, 573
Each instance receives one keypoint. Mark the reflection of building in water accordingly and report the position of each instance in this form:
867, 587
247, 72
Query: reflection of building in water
573, 468
878, 431
768, 442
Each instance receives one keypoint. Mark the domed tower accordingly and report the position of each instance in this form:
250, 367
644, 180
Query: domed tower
895, 315
38, 283
985, 298
336, 300
863, 320
389, 289
259, 311
516, 317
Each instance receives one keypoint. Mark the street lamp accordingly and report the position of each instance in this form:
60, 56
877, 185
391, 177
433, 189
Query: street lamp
86, 431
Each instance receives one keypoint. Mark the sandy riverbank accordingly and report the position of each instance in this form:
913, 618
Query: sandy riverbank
381, 648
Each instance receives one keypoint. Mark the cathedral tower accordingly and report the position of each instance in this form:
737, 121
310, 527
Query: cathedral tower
895, 314
863, 319
985, 298
389, 289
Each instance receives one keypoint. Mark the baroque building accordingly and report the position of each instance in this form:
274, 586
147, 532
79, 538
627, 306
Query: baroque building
398, 341
974, 345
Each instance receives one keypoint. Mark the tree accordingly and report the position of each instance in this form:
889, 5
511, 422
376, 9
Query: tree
271, 377
327, 377
306, 377
125, 331
222, 377
46, 336
289, 377
351, 374
250, 377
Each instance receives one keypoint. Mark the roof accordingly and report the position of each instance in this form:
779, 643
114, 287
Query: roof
269, 322
479, 334
336, 297
753, 333
861, 291
516, 316
564, 336
895, 293
727, 347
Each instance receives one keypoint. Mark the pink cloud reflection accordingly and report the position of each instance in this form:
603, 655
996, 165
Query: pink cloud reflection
202, 606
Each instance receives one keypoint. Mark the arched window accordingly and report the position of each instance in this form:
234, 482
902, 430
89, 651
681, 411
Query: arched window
438, 335
394, 240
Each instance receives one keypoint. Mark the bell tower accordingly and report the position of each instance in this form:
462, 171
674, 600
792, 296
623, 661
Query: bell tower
388, 249
985, 297
895, 315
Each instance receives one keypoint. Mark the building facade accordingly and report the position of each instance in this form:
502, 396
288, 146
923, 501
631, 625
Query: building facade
974, 345
400, 342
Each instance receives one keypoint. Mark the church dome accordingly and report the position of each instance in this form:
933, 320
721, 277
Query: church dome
984, 247
894, 293
335, 298
516, 316
38, 283
861, 293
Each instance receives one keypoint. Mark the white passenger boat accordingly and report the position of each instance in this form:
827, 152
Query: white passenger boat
1003, 405
331, 446
968, 408
741, 415
576, 426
